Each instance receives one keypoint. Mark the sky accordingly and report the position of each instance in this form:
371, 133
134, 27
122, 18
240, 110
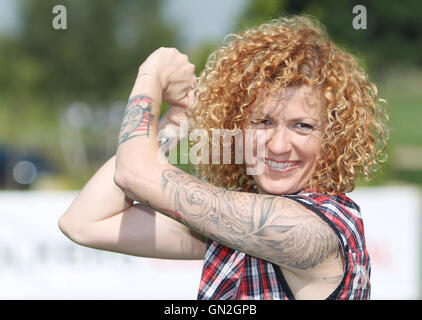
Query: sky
199, 20
202, 20
7, 15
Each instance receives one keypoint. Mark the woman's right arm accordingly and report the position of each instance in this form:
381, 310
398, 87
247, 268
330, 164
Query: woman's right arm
102, 217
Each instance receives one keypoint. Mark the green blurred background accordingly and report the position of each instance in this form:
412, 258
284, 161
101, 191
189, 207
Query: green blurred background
63, 92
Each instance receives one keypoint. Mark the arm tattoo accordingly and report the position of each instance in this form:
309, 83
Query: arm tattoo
138, 119
268, 227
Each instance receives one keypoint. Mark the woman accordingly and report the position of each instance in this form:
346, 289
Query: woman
279, 227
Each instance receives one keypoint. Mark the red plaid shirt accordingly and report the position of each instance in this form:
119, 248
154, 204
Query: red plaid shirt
230, 274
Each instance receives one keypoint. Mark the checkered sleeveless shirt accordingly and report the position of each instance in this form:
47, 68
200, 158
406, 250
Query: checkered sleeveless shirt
230, 274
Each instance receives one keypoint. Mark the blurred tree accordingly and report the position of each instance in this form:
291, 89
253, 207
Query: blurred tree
393, 35
96, 58
94, 61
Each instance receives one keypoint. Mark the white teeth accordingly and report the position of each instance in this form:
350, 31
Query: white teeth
279, 165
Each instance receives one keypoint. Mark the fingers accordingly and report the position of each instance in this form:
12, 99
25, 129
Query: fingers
185, 102
190, 98
176, 74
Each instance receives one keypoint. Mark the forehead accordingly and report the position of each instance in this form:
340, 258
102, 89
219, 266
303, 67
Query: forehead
300, 100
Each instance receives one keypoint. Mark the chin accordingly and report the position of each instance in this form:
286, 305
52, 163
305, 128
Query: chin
276, 189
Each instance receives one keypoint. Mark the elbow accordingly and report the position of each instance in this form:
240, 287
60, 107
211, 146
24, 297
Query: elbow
127, 180
121, 178
63, 225
71, 229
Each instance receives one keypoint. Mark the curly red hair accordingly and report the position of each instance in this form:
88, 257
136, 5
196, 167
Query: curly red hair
293, 51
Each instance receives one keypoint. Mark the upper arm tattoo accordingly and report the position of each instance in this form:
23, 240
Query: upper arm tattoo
268, 227
138, 118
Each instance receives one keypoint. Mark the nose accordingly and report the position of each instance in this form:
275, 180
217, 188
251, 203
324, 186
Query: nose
279, 141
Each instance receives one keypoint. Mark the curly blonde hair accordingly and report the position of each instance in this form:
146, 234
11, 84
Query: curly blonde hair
292, 51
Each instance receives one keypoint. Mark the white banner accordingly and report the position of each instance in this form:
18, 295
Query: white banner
392, 222
38, 262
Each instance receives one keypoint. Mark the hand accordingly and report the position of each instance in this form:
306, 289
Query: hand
176, 120
176, 114
174, 72
173, 124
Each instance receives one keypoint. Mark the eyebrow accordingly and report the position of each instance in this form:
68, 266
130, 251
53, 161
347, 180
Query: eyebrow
306, 118
271, 115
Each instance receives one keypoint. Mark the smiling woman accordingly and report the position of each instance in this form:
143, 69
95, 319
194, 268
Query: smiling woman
285, 53
285, 232
293, 122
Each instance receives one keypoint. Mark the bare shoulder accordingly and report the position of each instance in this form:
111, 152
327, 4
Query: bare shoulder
291, 235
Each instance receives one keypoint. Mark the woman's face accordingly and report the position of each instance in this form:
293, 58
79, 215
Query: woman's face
292, 121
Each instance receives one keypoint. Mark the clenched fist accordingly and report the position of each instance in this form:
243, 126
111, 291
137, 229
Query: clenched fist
174, 72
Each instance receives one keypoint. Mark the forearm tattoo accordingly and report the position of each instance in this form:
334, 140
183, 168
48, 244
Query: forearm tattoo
138, 118
268, 227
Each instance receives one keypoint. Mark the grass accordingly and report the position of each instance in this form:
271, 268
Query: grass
402, 90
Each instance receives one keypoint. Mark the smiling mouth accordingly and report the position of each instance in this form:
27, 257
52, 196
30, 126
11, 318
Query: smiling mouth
281, 165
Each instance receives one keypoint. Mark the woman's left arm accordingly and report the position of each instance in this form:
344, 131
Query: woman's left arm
273, 228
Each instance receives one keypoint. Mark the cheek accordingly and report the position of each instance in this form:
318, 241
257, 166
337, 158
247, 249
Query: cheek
310, 147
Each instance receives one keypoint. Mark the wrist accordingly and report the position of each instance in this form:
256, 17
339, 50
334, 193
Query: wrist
153, 76
155, 72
